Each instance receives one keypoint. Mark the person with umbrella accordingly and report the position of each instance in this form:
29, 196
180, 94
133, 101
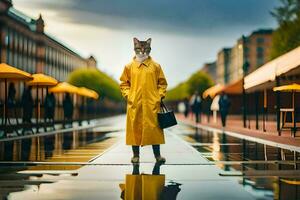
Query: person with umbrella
8, 72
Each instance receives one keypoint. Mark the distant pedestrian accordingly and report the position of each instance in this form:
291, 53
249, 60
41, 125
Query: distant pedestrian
187, 107
49, 107
27, 105
68, 107
196, 102
206, 107
215, 107
11, 101
181, 107
224, 104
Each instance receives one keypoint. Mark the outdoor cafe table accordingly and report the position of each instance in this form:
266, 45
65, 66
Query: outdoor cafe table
283, 111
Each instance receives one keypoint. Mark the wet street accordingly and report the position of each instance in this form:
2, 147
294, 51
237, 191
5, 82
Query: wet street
94, 163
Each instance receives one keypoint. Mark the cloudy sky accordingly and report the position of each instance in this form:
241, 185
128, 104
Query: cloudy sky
185, 34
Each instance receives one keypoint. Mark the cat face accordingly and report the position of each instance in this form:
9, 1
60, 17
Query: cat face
142, 47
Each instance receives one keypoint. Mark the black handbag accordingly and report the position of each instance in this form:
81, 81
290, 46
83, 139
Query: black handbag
166, 118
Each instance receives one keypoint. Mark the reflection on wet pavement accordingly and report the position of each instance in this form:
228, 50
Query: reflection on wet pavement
148, 186
62, 147
76, 146
265, 171
95, 164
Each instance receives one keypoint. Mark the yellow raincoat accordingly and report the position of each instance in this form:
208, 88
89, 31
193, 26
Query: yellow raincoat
143, 85
143, 187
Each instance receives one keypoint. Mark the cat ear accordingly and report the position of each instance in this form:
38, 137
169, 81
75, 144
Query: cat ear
149, 41
135, 40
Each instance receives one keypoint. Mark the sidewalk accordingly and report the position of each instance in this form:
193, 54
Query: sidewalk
112, 173
236, 126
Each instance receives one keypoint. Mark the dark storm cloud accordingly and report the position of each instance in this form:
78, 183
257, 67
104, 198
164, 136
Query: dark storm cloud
195, 16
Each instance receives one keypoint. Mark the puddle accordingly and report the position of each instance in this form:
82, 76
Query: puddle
236, 157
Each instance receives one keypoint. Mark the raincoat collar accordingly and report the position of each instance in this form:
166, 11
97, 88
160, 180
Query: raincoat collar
145, 62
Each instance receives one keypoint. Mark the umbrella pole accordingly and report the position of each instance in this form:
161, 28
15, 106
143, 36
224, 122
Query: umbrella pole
244, 108
5, 104
83, 109
294, 118
37, 109
278, 106
265, 110
42, 102
256, 109
293, 99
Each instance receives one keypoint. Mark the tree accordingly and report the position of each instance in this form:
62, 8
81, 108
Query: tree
96, 80
287, 12
287, 35
177, 93
199, 81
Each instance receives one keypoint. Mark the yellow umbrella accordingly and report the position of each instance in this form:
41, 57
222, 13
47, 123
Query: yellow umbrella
64, 87
87, 93
12, 73
9, 72
41, 80
288, 88
291, 182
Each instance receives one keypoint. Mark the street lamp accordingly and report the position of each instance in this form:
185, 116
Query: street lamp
245, 71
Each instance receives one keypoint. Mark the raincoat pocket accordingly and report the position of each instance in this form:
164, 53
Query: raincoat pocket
130, 99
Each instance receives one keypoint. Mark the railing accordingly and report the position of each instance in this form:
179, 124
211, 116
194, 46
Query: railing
80, 113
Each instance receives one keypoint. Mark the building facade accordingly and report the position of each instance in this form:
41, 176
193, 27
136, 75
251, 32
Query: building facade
26, 46
223, 63
210, 69
251, 51
92, 62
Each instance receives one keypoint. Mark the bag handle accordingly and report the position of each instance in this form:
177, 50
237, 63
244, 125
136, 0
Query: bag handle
163, 107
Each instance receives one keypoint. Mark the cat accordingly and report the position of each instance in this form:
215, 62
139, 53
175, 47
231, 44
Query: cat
142, 49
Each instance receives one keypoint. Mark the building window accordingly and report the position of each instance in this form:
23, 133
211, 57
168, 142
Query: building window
7, 42
20, 43
10, 58
14, 59
259, 61
16, 40
259, 51
260, 40
29, 47
25, 44
11, 38
247, 40
34, 48
19, 64
7, 37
